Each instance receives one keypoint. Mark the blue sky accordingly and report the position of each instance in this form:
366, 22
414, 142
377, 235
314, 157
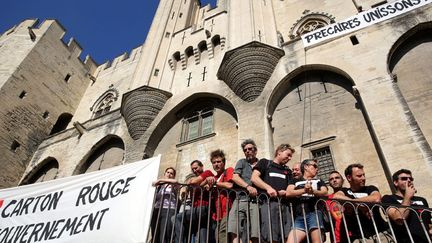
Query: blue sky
104, 29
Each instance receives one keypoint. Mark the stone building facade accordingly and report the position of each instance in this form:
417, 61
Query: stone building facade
208, 78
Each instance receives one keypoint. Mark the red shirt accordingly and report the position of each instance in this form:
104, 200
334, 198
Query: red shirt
222, 199
336, 213
202, 199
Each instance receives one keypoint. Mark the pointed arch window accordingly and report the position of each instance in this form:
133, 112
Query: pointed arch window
104, 104
310, 22
311, 25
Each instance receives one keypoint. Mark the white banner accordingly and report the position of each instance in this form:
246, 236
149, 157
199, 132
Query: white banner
112, 205
362, 20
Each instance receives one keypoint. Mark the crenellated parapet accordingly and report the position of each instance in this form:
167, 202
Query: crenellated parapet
34, 30
140, 107
247, 69
124, 59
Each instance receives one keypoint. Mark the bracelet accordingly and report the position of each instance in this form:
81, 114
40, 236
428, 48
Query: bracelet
247, 186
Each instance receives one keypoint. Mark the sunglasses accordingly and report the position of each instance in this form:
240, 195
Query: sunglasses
248, 149
314, 165
405, 178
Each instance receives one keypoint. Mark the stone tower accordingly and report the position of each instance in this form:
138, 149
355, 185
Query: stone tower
208, 78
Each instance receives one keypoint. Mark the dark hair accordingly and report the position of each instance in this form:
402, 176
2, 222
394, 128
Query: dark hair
217, 153
248, 141
304, 163
348, 170
171, 168
395, 176
335, 171
198, 162
284, 147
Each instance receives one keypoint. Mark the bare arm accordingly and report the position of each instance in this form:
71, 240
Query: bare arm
164, 180
257, 181
240, 182
292, 192
374, 197
321, 192
399, 214
226, 184
197, 181
341, 196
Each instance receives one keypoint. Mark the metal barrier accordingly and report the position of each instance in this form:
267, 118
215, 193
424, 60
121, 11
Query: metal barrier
196, 215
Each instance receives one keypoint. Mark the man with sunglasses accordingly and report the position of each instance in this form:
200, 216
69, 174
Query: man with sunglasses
245, 205
405, 196
306, 191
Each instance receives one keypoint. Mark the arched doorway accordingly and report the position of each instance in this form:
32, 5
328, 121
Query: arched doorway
319, 112
198, 125
45, 171
61, 123
107, 153
410, 63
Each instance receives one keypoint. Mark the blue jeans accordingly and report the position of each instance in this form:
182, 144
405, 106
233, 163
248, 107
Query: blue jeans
183, 221
311, 221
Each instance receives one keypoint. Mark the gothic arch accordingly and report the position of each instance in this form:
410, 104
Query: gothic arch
316, 107
213, 120
44, 171
286, 85
104, 103
310, 21
203, 51
409, 62
62, 122
106, 153
216, 41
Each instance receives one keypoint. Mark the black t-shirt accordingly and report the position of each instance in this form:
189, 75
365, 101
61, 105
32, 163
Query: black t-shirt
309, 200
366, 222
276, 175
413, 222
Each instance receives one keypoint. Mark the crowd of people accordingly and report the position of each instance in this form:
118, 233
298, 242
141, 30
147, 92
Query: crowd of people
265, 200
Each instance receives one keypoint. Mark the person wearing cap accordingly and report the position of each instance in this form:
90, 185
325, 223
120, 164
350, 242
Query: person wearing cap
306, 191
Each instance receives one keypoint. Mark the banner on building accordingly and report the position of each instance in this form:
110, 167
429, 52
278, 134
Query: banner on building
112, 205
362, 20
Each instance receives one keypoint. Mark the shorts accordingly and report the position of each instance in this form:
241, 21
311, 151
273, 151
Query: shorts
311, 221
248, 214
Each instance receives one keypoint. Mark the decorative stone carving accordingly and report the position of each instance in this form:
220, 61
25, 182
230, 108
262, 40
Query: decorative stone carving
140, 107
247, 69
310, 21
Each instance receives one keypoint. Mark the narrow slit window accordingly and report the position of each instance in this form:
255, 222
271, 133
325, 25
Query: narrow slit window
67, 78
45, 115
23, 94
15, 145
354, 40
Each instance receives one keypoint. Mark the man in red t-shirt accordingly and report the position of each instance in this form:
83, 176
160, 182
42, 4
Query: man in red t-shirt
197, 215
222, 180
